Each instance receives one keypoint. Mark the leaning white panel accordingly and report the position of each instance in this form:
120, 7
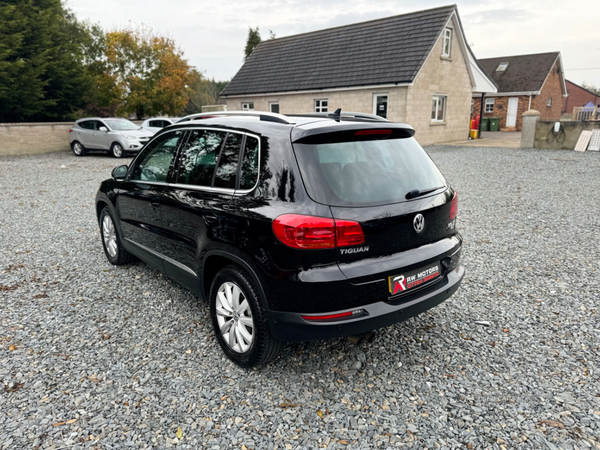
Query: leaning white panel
595, 141
583, 141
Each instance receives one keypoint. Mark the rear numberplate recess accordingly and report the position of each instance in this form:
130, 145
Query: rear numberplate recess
401, 283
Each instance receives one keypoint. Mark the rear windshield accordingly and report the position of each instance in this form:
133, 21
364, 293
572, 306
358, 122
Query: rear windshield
362, 173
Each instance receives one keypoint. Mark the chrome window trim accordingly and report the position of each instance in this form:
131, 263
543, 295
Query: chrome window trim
214, 189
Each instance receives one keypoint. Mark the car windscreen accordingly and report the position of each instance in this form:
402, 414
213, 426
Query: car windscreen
367, 172
121, 124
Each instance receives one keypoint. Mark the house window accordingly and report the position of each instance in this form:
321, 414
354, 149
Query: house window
249, 106
489, 105
321, 105
502, 67
380, 105
274, 107
447, 43
438, 108
549, 102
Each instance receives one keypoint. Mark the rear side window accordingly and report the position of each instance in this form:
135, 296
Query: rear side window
228, 162
367, 172
249, 172
87, 125
199, 157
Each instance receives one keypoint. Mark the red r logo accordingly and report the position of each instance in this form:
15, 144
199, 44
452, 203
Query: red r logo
399, 284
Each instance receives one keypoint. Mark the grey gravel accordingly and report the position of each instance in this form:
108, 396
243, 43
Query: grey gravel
96, 356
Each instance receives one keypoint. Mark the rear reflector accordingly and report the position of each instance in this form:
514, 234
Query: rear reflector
372, 132
358, 312
454, 206
308, 232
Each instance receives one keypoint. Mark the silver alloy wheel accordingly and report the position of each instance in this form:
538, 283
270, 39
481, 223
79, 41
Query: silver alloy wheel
77, 148
234, 317
117, 150
109, 235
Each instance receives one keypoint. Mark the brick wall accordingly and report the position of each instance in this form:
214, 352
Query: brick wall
34, 138
501, 109
551, 89
578, 97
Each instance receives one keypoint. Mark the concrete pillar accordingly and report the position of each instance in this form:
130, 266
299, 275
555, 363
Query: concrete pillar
530, 119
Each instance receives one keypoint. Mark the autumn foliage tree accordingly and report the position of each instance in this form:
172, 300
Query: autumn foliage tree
146, 73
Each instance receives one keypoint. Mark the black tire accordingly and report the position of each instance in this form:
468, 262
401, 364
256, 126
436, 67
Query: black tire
117, 150
116, 254
78, 148
264, 347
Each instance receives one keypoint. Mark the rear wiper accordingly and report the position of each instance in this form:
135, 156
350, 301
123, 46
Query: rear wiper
419, 192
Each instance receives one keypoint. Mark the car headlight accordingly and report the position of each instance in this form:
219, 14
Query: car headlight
127, 136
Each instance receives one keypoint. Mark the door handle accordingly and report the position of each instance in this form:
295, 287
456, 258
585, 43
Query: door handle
154, 206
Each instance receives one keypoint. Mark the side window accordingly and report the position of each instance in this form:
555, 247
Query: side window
199, 157
87, 125
155, 124
155, 161
249, 172
228, 162
98, 124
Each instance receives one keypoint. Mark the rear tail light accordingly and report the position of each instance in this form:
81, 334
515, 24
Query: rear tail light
70, 131
308, 232
454, 206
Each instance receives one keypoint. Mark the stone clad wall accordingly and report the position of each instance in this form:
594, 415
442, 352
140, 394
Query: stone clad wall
572, 131
446, 76
356, 100
34, 138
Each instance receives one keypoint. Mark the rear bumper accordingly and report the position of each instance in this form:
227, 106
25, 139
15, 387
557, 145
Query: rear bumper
291, 327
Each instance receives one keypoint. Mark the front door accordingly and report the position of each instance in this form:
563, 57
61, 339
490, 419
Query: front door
100, 139
141, 198
511, 118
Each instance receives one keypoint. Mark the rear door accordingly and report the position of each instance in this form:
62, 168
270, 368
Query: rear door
84, 132
196, 215
389, 185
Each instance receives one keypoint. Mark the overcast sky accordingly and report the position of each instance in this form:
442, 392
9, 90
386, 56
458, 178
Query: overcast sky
212, 33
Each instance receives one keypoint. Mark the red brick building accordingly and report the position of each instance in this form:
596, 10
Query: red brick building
524, 82
578, 96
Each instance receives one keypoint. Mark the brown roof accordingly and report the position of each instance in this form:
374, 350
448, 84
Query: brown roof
525, 73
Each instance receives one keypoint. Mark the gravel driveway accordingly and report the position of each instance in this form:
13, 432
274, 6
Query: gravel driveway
96, 356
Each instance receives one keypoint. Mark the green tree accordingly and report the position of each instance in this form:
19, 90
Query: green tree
42, 71
203, 92
252, 42
146, 73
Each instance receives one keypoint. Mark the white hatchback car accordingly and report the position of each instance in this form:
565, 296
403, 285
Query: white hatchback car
156, 124
116, 135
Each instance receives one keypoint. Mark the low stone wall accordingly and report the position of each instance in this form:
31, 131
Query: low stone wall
572, 131
34, 138
20, 139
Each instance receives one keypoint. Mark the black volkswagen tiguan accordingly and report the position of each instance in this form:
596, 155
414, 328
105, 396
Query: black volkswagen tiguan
294, 228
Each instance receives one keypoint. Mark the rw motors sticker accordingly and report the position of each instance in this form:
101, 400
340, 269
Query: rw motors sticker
404, 282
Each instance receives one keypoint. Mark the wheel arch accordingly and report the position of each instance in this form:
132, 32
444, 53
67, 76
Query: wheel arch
215, 260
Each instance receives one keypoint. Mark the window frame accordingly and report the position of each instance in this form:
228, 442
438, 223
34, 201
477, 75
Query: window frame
549, 102
375, 97
177, 162
319, 108
248, 106
172, 166
491, 103
271, 104
447, 38
437, 97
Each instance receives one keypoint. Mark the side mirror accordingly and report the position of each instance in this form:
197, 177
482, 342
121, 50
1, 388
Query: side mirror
119, 173
103, 129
